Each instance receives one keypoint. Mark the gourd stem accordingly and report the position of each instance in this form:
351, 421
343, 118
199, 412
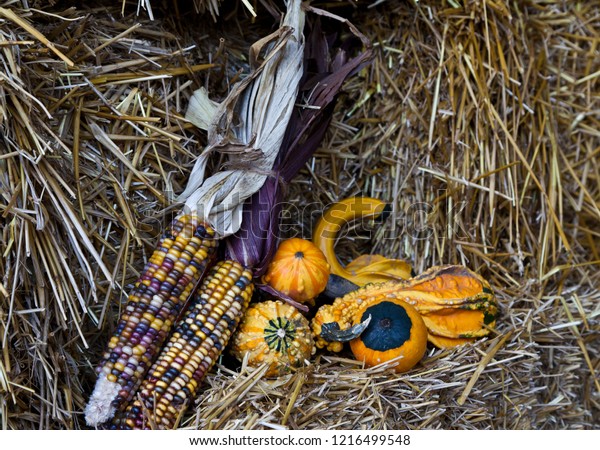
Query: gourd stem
331, 331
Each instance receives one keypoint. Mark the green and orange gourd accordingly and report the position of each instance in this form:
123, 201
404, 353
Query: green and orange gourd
276, 334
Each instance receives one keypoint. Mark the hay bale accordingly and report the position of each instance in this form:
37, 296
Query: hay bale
475, 121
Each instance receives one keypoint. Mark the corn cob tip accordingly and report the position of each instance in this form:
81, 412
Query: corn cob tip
100, 407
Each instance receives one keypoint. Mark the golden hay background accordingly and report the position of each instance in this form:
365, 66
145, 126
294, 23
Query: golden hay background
484, 114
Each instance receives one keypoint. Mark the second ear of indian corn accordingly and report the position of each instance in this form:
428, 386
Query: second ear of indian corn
173, 271
198, 339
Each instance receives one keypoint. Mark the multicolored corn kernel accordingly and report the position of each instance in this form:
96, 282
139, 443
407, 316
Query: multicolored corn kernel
172, 272
197, 341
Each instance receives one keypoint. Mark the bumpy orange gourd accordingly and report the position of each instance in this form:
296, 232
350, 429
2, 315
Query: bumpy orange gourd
275, 333
456, 305
298, 269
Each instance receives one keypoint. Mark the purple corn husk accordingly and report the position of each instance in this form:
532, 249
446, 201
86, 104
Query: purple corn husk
326, 69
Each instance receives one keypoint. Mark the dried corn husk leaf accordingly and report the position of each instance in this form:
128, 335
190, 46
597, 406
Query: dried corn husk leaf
201, 110
248, 126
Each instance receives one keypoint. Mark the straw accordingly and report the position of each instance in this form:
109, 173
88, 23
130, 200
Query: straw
477, 121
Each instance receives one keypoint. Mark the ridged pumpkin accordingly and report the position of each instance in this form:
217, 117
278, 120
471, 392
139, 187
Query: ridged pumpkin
298, 269
276, 333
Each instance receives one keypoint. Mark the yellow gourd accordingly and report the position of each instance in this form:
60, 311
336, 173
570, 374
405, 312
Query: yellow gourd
366, 268
275, 333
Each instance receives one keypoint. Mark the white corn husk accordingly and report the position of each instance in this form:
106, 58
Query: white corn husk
248, 126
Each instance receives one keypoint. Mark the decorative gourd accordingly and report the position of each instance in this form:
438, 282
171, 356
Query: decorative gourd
395, 331
298, 269
275, 333
454, 302
366, 268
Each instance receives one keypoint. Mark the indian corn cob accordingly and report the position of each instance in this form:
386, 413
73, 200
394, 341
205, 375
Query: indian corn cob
197, 341
173, 271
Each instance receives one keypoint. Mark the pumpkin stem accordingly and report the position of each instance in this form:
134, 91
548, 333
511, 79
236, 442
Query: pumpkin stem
331, 331
385, 323
299, 255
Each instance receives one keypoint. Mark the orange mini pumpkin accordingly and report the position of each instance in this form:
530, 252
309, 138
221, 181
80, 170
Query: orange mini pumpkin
298, 269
